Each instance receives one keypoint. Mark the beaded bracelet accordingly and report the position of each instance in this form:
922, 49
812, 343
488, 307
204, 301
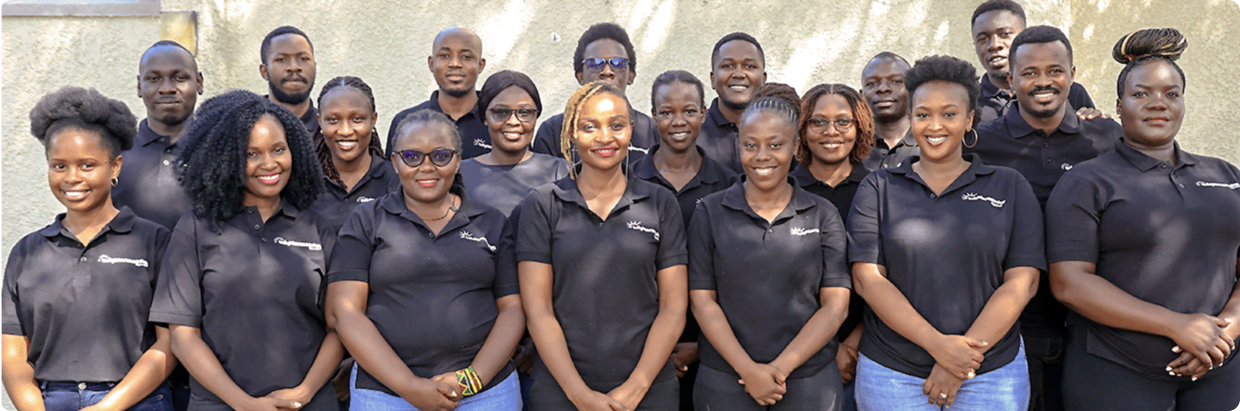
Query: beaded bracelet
469, 381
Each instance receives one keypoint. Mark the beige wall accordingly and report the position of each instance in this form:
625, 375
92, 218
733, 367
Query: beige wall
806, 44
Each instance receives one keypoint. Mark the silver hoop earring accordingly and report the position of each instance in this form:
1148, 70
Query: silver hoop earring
115, 182
966, 139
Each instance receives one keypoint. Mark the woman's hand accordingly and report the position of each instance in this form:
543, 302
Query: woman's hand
846, 359
341, 381
941, 387
590, 400
298, 395
1202, 336
1187, 364
683, 355
268, 404
524, 358
764, 383
957, 354
629, 394
432, 394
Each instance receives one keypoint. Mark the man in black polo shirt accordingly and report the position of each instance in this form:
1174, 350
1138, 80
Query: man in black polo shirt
455, 61
604, 53
1043, 139
737, 70
995, 23
882, 87
169, 84
288, 66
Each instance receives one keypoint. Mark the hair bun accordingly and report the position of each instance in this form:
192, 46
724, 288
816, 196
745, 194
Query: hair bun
1167, 43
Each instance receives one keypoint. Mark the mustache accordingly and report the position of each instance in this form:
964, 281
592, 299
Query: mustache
293, 77
1047, 88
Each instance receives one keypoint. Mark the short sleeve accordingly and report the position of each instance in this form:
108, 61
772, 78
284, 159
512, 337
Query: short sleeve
1080, 97
354, 246
1025, 241
672, 249
505, 282
533, 239
162, 236
701, 250
834, 242
546, 137
12, 324
864, 221
178, 293
1073, 213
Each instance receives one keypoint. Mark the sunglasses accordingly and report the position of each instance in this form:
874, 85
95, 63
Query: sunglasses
415, 158
501, 115
595, 64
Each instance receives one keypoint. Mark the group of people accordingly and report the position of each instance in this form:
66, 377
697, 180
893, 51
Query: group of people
931, 240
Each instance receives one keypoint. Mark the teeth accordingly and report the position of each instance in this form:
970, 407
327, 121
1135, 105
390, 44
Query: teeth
833, 145
678, 135
936, 140
764, 170
739, 88
346, 144
75, 194
512, 135
272, 177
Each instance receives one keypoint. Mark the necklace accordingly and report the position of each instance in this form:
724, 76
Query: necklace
451, 208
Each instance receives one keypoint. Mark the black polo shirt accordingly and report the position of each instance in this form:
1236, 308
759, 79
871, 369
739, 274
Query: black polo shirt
944, 248
148, 182
505, 186
645, 135
718, 138
841, 196
435, 306
711, 177
767, 275
84, 308
1166, 234
253, 288
883, 156
993, 103
311, 120
605, 292
475, 138
335, 204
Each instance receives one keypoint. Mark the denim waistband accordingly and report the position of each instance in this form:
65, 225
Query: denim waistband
75, 386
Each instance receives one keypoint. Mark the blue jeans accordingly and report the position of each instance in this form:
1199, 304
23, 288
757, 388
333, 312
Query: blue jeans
71, 396
505, 396
1006, 388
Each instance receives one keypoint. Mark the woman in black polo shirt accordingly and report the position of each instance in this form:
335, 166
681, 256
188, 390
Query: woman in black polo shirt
837, 134
354, 169
240, 283
602, 266
509, 105
77, 292
424, 286
1143, 243
946, 252
769, 279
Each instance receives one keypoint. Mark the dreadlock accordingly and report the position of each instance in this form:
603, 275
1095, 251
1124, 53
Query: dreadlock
863, 120
325, 153
572, 112
1147, 45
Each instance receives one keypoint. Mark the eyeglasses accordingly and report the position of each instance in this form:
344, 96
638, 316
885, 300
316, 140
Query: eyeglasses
415, 158
820, 125
595, 64
500, 115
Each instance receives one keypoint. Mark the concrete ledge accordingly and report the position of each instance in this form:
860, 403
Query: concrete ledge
81, 8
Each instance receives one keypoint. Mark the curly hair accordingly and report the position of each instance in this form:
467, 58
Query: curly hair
213, 161
84, 109
676, 76
992, 5
501, 81
572, 112
320, 145
600, 31
944, 68
863, 119
1147, 45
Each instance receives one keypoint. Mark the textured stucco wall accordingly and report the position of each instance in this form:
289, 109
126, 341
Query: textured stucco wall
806, 43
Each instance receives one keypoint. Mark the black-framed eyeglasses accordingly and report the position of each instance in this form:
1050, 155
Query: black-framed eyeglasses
595, 64
819, 125
501, 115
414, 158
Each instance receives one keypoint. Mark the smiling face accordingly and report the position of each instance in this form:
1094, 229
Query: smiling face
1152, 108
831, 145
427, 182
767, 146
169, 85
456, 62
941, 117
80, 169
737, 72
993, 32
289, 69
678, 114
347, 121
512, 136
882, 86
603, 131
607, 49
1042, 75
268, 161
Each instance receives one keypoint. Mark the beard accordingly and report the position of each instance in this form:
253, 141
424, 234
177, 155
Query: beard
457, 93
735, 105
890, 117
289, 98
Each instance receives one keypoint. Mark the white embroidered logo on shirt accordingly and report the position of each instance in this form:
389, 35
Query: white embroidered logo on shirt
637, 225
481, 143
364, 199
802, 231
978, 197
1232, 186
1066, 166
465, 235
113, 260
290, 243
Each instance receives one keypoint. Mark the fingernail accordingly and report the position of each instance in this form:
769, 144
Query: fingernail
1194, 378
1168, 368
1170, 373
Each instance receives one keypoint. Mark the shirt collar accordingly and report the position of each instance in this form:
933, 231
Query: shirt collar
708, 173
976, 168
1019, 128
716, 115
636, 190
805, 177
146, 135
734, 198
379, 167
122, 223
394, 203
1144, 162
433, 104
989, 90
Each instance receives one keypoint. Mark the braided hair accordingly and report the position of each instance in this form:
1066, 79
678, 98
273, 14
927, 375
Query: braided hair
321, 148
88, 110
212, 162
778, 98
572, 112
780, 90
1147, 45
863, 119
